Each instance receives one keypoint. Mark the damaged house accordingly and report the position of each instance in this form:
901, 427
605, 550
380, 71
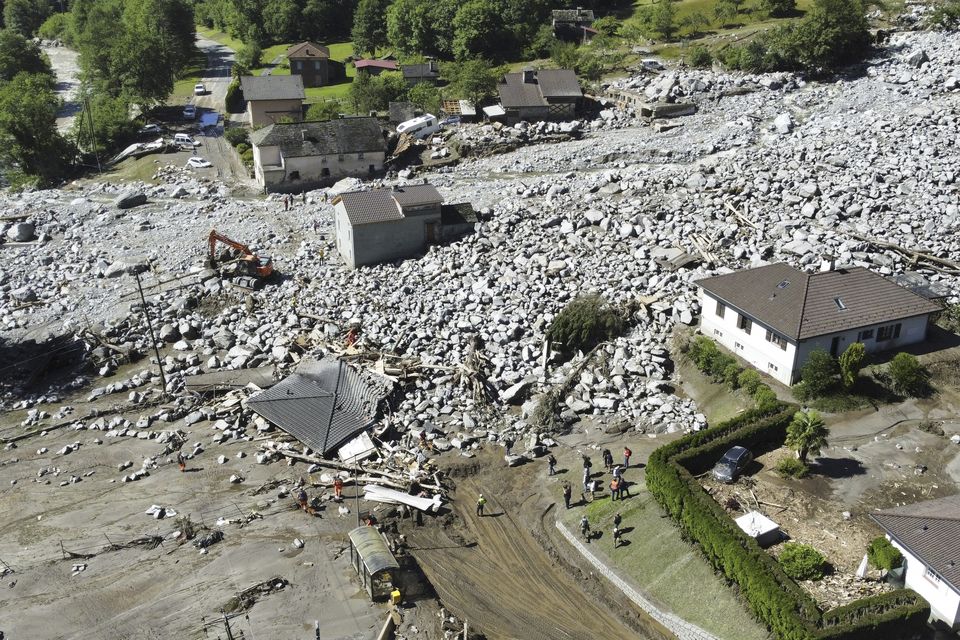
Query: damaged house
324, 404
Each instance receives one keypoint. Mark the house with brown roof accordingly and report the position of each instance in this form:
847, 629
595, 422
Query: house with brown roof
540, 94
311, 62
928, 535
774, 316
398, 222
375, 67
298, 156
272, 98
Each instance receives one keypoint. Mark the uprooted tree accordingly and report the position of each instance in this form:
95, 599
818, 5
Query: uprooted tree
585, 322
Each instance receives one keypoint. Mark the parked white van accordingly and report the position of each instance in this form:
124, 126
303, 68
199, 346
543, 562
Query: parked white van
183, 140
420, 127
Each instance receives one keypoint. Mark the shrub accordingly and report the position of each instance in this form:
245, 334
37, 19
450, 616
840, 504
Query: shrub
946, 16
702, 351
699, 56
851, 360
749, 380
765, 398
792, 468
883, 555
327, 110
802, 562
247, 157
233, 101
731, 375
242, 148
818, 373
908, 377
719, 363
236, 135
585, 322
806, 434
55, 27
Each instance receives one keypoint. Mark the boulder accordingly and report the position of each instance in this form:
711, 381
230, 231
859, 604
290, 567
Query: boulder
129, 199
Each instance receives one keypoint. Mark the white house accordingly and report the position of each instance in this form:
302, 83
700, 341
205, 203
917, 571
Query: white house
775, 316
386, 224
298, 156
928, 536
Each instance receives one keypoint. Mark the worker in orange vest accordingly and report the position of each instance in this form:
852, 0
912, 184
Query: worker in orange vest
338, 489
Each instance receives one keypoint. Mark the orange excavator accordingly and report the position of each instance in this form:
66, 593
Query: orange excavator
250, 270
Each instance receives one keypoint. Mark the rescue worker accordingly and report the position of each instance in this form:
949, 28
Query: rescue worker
302, 500
338, 489
481, 501
551, 465
585, 528
181, 461
567, 492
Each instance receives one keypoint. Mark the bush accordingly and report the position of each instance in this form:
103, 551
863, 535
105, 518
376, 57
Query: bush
883, 555
702, 351
908, 377
749, 380
236, 135
946, 16
249, 55
327, 110
585, 322
765, 398
818, 373
731, 375
699, 56
242, 148
792, 468
719, 363
247, 157
55, 27
851, 360
802, 562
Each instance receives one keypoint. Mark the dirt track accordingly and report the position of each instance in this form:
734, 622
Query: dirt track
497, 573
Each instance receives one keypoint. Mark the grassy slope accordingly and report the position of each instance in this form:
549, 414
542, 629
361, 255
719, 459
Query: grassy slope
662, 565
183, 88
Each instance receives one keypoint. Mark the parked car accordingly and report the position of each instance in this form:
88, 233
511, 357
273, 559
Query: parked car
197, 162
650, 64
189, 112
151, 128
732, 464
184, 140
199, 89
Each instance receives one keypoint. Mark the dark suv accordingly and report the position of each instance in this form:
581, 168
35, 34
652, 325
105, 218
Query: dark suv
732, 464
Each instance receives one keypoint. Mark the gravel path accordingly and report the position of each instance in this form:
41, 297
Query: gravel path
66, 66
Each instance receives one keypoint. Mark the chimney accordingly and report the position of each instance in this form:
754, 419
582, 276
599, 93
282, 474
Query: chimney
828, 263
529, 75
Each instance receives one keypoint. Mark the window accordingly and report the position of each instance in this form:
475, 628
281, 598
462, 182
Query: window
297, 65
739, 346
718, 333
316, 65
890, 332
721, 309
930, 575
783, 284
840, 305
745, 323
772, 367
866, 334
294, 175
776, 339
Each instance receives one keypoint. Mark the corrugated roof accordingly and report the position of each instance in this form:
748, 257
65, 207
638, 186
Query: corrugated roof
929, 530
327, 138
547, 84
800, 305
308, 50
373, 549
323, 405
272, 87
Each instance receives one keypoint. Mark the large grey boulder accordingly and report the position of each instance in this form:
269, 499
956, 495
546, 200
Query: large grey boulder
129, 199
21, 232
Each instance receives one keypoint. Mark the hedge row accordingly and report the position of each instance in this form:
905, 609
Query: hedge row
775, 599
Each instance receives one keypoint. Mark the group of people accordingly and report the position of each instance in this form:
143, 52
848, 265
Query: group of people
618, 489
587, 533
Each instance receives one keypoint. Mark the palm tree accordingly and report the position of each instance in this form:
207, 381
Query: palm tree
806, 434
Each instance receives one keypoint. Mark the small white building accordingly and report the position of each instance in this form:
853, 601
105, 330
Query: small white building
928, 536
400, 222
774, 316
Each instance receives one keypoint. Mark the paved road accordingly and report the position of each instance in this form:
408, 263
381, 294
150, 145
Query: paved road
66, 68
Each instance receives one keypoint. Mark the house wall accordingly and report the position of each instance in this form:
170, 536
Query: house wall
308, 172
307, 69
765, 356
380, 242
264, 112
944, 600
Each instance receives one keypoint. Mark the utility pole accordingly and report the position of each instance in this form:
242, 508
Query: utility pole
356, 488
226, 624
93, 132
153, 337
316, 628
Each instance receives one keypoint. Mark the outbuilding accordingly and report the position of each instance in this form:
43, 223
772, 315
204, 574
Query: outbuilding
271, 99
377, 567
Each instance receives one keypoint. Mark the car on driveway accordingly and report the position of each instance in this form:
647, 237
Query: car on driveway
189, 112
199, 89
732, 464
197, 162
151, 128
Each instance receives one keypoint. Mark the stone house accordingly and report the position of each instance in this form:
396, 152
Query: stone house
428, 72
306, 155
540, 94
272, 98
774, 316
387, 224
572, 24
928, 535
311, 62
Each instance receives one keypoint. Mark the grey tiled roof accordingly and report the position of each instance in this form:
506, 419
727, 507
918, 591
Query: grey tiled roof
422, 70
330, 137
929, 530
549, 83
800, 305
272, 87
416, 195
324, 404
308, 50
368, 207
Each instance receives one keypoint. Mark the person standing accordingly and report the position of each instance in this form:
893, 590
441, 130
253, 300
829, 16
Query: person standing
302, 499
181, 461
617, 519
320, 256
586, 479
626, 457
481, 501
607, 459
585, 528
616, 536
551, 465
567, 492
617, 472
614, 488
622, 488
338, 489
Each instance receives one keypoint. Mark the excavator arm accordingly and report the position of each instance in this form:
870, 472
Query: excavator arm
261, 267
216, 237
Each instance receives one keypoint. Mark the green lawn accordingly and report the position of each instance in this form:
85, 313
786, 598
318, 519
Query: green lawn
668, 570
339, 51
220, 37
183, 88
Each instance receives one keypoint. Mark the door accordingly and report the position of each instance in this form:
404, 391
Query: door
432, 231
835, 346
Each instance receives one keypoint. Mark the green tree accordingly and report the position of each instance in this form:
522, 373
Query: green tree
426, 96
369, 28
779, 8
25, 16
114, 128
726, 10
607, 25
908, 377
233, 100
565, 55
542, 43
699, 56
818, 373
17, 54
374, 93
475, 30
326, 110
55, 27
851, 360
806, 434
663, 19
282, 20
29, 142
834, 33
474, 80
696, 22
250, 56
